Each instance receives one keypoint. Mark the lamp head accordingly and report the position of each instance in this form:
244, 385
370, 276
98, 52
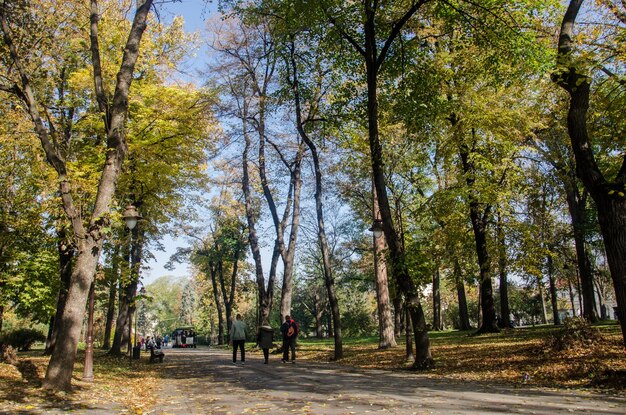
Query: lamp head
377, 228
131, 216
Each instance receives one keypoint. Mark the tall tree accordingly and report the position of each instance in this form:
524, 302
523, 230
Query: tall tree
552, 144
306, 111
380, 28
248, 67
609, 193
89, 236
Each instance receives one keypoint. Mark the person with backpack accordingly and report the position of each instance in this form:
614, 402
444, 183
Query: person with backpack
289, 329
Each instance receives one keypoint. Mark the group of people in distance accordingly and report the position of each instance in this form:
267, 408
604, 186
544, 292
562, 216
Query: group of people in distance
265, 339
152, 342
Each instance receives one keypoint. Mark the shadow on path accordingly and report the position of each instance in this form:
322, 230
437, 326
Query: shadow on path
204, 381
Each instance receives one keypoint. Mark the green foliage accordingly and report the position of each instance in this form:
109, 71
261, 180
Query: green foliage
161, 311
23, 338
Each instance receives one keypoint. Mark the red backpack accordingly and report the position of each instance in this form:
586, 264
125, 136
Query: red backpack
293, 329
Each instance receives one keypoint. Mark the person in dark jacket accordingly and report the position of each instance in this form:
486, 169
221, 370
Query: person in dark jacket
289, 330
265, 340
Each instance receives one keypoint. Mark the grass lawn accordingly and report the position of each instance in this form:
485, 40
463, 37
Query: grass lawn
517, 356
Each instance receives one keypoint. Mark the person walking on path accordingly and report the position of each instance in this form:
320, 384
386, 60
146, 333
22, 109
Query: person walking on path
289, 329
265, 340
238, 338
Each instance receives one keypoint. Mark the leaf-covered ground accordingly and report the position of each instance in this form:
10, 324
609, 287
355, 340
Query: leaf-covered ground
518, 356
119, 386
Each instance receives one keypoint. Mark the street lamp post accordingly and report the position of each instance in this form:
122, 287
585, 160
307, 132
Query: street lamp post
142, 293
130, 216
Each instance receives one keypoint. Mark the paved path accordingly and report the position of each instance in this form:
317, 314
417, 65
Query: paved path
204, 381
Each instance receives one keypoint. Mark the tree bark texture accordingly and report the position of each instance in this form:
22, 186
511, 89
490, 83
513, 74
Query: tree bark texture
553, 291
408, 340
113, 280
436, 301
542, 298
66, 255
505, 312
319, 313
218, 305
386, 332
464, 322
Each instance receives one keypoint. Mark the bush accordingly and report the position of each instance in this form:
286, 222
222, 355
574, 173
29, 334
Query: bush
576, 332
23, 339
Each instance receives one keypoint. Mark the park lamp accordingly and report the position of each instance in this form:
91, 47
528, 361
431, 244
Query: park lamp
131, 216
377, 228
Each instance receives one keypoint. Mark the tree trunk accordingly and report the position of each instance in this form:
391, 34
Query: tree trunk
374, 59
319, 312
571, 296
59, 373
227, 295
577, 206
542, 298
329, 324
464, 322
218, 305
266, 296
408, 336
398, 316
113, 280
436, 301
480, 220
288, 253
128, 291
609, 196
400, 272
386, 334
612, 218
505, 311
66, 255
553, 292
120, 336
329, 280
